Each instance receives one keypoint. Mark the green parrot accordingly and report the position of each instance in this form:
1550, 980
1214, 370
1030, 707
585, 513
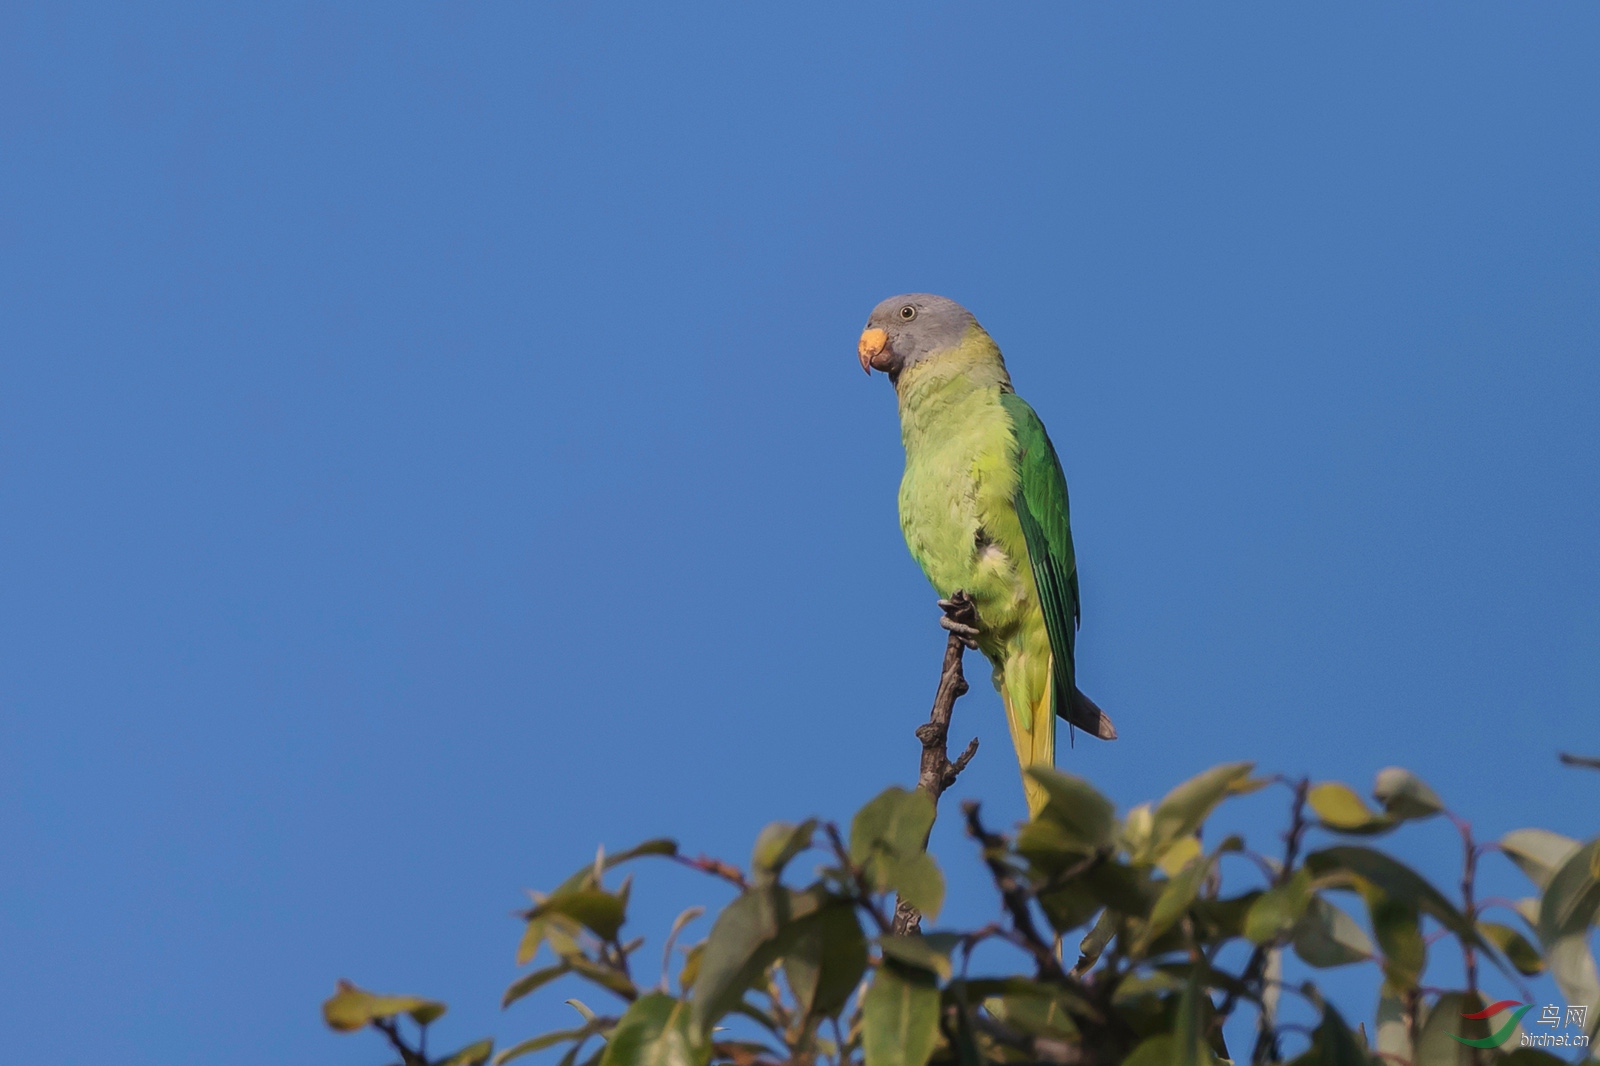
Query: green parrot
983, 505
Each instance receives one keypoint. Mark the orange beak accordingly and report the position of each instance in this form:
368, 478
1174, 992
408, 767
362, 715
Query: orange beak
870, 346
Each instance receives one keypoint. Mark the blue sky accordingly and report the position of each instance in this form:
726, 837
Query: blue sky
431, 444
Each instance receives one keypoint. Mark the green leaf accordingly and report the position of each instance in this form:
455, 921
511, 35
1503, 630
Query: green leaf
1186, 807
744, 941
1095, 940
661, 846
1277, 909
918, 880
1394, 1034
920, 952
900, 1017
561, 931
1404, 795
1190, 1047
1086, 818
532, 937
1223, 919
1158, 981
1435, 1046
1039, 1015
547, 920
1326, 936
656, 1031
1341, 809
1172, 904
599, 911
757, 1015
1333, 1044
351, 1008
1181, 969
1523, 955
996, 989
777, 844
604, 976
471, 1055
1153, 1051
1180, 854
1572, 965
1399, 882
1136, 830
1571, 901
1527, 909
535, 980
1049, 847
1398, 927
1070, 905
691, 967
1538, 852
896, 821
826, 956
584, 877
1129, 890
679, 923
887, 838
736, 952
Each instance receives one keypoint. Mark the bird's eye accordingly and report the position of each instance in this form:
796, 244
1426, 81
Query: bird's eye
908, 312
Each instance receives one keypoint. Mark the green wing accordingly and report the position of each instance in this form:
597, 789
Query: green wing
1041, 503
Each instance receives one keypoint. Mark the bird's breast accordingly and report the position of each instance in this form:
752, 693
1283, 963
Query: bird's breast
957, 512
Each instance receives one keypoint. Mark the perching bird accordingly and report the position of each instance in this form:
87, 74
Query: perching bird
983, 505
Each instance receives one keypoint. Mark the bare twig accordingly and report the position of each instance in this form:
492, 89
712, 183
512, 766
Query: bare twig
1266, 1035
1015, 895
1592, 762
1469, 910
409, 1056
937, 771
1469, 906
715, 867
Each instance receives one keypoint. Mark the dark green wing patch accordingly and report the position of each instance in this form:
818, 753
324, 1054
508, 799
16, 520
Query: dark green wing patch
1041, 503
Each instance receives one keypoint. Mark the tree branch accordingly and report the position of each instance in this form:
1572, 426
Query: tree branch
409, 1056
1266, 1039
1015, 895
937, 772
715, 867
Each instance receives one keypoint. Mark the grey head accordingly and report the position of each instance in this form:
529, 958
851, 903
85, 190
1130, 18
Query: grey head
906, 329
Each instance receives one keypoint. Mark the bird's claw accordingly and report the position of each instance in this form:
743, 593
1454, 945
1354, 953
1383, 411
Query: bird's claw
968, 634
960, 618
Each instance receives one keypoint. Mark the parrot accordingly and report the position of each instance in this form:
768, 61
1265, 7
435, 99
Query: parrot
983, 506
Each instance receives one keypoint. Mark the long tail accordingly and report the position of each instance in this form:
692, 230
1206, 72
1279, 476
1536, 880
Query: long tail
1033, 733
1087, 716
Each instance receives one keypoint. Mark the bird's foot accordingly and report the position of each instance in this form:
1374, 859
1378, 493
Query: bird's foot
961, 618
968, 634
